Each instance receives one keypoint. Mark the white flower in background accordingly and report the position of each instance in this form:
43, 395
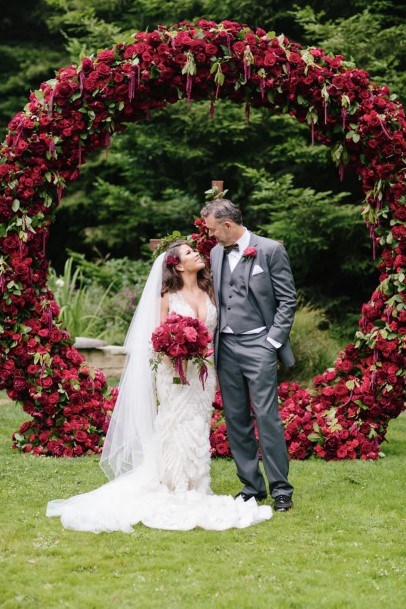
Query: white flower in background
59, 282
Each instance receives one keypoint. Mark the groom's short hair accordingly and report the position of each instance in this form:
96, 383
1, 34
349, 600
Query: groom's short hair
222, 209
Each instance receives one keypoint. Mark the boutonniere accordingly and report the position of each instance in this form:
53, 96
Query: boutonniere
249, 253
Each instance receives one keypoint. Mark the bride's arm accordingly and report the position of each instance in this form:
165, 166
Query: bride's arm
164, 306
164, 315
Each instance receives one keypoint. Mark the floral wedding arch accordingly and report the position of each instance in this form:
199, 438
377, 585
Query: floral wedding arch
346, 412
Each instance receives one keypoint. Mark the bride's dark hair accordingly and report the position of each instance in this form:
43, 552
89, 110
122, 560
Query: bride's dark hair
172, 280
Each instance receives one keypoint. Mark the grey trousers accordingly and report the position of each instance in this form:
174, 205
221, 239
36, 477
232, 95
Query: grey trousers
246, 366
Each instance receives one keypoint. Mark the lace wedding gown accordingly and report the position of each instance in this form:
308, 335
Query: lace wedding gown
174, 493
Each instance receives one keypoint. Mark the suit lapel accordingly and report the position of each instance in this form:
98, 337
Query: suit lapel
248, 263
219, 268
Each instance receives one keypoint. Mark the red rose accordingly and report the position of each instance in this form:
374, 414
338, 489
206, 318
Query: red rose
177, 351
87, 64
172, 261
249, 252
22, 145
345, 365
320, 452
64, 89
44, 437
251, 39
399, 232
223, 449
105, 56
341, 390
102, 70
57, 449
400, 213
81, 436
56, 336
146, 57
342, 452
182, 38
211, 49
163, 49
270, 59
26, 425
94, 439
239, 47
295, 58
190, 334
118, 77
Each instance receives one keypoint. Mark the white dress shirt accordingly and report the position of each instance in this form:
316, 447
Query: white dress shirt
233, 259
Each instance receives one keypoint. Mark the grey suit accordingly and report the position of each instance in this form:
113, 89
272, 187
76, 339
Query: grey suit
247, 363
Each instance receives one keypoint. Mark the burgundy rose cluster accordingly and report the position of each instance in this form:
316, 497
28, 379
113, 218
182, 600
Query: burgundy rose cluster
172, 261
78, 111
202, 240
68, 401
183, 338
219, 443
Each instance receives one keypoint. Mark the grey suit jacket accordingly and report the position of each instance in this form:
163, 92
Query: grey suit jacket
271, 291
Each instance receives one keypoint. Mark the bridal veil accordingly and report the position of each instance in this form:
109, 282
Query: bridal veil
130, 438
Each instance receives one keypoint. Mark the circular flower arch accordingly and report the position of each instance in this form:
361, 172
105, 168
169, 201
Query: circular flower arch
346, 412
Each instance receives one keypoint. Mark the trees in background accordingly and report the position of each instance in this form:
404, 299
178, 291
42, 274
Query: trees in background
154, 176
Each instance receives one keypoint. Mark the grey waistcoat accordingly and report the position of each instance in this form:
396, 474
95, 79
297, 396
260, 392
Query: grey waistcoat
236, 309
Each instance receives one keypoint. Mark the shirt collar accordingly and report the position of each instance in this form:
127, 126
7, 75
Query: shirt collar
244, 241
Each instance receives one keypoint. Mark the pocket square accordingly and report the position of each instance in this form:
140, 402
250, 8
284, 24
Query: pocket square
257, 269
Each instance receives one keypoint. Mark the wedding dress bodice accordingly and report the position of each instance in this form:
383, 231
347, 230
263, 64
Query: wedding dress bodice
178, 304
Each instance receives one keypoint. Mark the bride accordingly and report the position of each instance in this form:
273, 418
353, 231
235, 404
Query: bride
157, 450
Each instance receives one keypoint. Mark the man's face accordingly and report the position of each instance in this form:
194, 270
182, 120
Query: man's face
221, 229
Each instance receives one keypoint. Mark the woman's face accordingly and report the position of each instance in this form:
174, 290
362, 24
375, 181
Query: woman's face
190, 259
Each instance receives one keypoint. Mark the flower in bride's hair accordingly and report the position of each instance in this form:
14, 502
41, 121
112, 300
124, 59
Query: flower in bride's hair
172, 261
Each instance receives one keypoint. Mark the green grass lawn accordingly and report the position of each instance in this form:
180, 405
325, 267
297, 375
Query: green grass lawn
340, 548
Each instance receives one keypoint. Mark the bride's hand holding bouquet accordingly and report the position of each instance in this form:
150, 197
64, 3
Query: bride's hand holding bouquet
182, 338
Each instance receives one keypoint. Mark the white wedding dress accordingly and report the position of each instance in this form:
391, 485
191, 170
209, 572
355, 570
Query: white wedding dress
173, 491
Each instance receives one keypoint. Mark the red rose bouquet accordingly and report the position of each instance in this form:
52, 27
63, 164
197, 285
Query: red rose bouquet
183, 338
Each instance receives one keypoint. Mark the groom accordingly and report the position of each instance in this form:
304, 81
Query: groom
256, 301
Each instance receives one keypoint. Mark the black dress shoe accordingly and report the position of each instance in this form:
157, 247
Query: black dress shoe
283, 503
248, 496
